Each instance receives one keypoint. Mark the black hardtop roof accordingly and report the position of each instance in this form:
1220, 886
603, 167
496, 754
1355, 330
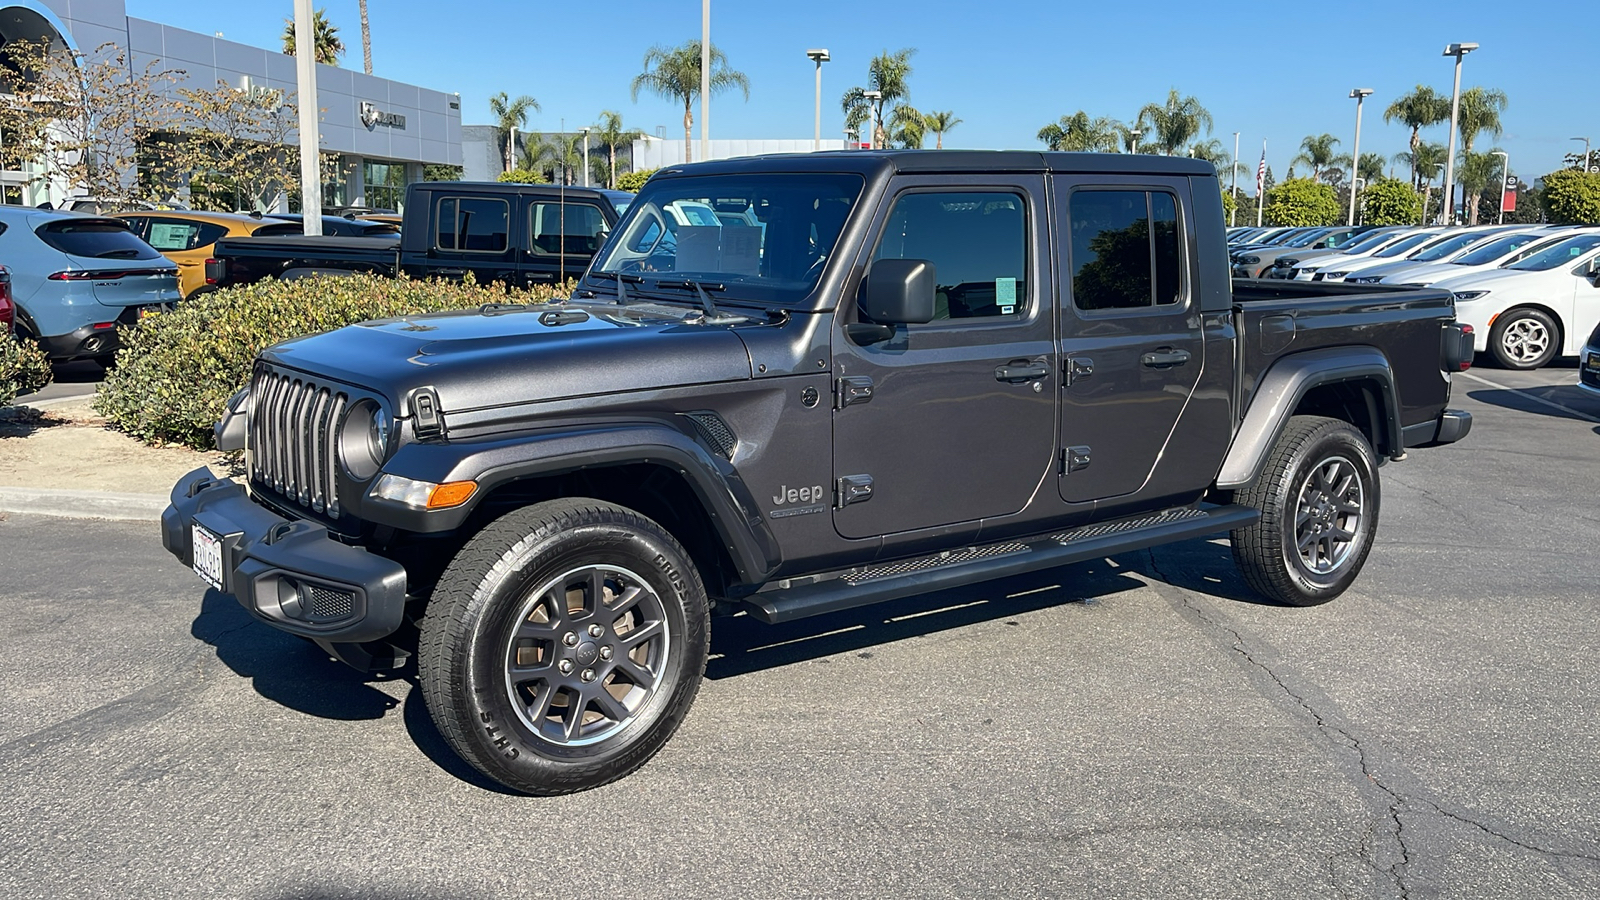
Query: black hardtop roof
507, 187
974, 162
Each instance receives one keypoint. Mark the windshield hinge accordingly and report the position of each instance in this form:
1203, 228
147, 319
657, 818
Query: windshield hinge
427, 421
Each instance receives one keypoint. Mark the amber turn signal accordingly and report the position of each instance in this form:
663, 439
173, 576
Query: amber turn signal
451, 493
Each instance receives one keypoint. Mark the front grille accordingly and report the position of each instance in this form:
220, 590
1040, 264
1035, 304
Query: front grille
328, 604
293, 428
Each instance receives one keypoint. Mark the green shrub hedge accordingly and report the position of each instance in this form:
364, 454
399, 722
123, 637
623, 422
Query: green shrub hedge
176, 371
633, 181
23, 368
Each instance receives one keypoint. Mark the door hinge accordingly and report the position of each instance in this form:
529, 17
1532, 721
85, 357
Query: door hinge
852, 489
852, 389
1074, 459
1076, 368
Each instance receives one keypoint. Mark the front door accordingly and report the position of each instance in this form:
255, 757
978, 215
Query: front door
951, 421
1131, 345
1585, 306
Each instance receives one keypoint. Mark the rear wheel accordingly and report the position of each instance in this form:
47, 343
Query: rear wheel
563, 645
1524, 339
1318, 496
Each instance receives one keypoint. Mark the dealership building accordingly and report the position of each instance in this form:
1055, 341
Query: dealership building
383, 131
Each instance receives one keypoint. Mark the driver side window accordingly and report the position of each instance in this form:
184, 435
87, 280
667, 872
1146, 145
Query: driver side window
977, 242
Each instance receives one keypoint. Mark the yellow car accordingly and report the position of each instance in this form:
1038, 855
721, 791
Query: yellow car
185, 237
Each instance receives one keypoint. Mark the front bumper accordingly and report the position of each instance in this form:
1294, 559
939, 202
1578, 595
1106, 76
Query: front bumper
288, 573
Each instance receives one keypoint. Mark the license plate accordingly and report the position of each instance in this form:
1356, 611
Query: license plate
207, 556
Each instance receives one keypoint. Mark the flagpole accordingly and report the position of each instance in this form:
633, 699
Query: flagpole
1261, 184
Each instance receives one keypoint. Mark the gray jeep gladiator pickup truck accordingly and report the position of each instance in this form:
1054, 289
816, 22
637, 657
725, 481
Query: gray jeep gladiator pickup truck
796, 384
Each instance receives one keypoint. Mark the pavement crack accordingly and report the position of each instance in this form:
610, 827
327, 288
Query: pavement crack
1506, 838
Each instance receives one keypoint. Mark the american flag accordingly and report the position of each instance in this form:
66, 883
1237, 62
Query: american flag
1261, 170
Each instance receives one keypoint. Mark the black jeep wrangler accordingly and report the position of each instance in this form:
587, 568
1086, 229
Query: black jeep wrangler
795, 384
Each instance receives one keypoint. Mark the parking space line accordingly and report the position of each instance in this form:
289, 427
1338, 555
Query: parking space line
1535, 398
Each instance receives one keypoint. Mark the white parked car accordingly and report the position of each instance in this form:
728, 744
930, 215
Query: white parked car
1438, 248
1396, 249
1502, 250
1530, 312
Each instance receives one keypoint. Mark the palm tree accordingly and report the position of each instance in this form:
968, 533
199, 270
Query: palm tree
1479, 112
510, 114
366, 39
1176, 123
907, 127
1081, 134
1422, 108
939, 123
1427, 160
1475, 172
612, 135
674, 73
327, 47
888, 74
1317, 152
1213, 152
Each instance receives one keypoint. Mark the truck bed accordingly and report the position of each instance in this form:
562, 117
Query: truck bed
242, 260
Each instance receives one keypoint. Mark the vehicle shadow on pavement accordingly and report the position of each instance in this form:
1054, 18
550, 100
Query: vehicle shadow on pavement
419, 725
741, 644
1567, 395
1204, 566
285, 669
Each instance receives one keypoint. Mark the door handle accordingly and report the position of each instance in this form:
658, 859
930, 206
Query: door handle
1021, 370
1165, 358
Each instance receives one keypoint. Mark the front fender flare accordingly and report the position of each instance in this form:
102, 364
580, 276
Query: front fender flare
493, 463
1280, 391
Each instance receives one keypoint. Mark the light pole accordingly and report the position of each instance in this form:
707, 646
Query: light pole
875, 98
1505, 181
705, 80
819, 57
585, 129
1360, 94
1135, 134
511, 150
1585, 152
1458, 51
1232, 216
305, 64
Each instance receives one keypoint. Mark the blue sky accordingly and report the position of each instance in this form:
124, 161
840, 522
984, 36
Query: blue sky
1278, 71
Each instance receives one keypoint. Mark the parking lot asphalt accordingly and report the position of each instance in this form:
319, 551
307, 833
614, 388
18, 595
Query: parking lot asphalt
1135, 727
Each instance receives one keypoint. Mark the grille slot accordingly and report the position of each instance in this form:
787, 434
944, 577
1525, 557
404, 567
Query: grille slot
715, 432
293, 421
329, 604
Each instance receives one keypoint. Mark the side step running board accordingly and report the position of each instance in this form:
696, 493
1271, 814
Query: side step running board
906, 578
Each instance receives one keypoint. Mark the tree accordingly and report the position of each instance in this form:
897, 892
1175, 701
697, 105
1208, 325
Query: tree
325, 43
1302, 201
907, 127
366, 39
674, 73
1426, 162
889, 74
510, 114
1081, 134
1176, 123
939, 123
1391, 202
634, 181
523, 176
235, 146
612, 135
1370, 170
1479, 112
1316, 151
1213, 152
441, 172
1422, 108
85, 119
1476, 173
1571, 198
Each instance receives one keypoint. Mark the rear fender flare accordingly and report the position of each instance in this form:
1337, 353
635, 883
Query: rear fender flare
493, 463
1280, 391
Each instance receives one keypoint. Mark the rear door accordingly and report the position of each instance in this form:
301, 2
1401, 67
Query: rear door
472, 233
561, 238
1131, 342
953, 420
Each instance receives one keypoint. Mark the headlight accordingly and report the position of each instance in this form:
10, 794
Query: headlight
1249, 260
1334, 274
364, 440
423, 494
1365, 279
1463, 296
1288, 263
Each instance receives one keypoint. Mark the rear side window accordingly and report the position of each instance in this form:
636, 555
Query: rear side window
977, 242
1125, 250
583, 226
473, 224
170, 235
95, 239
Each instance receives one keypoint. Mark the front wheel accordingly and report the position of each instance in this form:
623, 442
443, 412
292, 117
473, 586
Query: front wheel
1524, 339
1318, 496
563, 645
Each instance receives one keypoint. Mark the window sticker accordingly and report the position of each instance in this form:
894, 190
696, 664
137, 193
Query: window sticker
1005, 295
165, 236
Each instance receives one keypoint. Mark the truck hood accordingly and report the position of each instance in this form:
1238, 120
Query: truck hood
495, 356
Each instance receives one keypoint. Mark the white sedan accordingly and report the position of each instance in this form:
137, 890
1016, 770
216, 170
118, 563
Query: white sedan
1530, 312
1500, 251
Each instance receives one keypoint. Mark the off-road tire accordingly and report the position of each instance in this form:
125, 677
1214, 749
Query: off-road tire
469, 648
1514, 339
1269, 553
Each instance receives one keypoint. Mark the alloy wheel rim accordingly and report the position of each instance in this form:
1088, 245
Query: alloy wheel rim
588, 651
1329, 515
1525, 340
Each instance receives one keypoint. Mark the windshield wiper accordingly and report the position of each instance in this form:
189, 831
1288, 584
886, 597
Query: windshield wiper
620, 278
698, 288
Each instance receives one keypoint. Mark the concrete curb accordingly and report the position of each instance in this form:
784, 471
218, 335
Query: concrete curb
82, 504
53, 402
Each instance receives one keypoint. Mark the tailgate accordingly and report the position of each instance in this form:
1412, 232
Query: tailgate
133, 287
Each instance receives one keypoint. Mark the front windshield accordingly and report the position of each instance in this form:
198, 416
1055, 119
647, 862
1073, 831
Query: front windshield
1402, 245
1560, 254
1446, 247
763, 238
1495, 249
1366, 241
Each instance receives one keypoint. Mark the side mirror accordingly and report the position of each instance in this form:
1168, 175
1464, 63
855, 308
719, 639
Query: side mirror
899, 291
